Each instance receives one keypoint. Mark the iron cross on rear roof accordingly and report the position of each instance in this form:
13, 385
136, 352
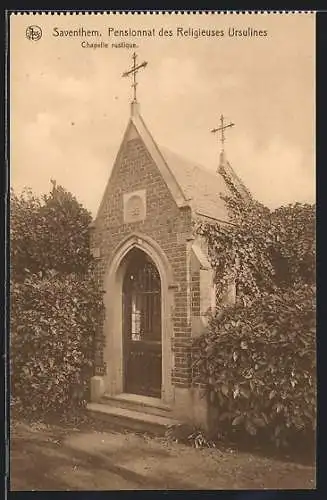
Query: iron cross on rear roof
133, 72
222, 129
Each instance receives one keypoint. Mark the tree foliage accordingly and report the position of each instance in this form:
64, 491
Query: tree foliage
258, 358
51, 232
56, 302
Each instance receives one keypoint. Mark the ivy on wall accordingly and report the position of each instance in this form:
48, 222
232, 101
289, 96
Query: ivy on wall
258, 358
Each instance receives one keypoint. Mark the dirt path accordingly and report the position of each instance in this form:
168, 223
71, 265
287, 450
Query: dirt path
48, 459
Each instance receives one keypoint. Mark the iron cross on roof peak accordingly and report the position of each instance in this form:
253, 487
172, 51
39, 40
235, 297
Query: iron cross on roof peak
222, 129
133, 72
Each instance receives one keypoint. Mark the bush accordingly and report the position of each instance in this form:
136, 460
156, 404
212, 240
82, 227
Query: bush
258, 359
53, 323
259, 366
51, 232
56, 302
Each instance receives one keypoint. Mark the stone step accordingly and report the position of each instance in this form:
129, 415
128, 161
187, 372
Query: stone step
142, 404
122, 418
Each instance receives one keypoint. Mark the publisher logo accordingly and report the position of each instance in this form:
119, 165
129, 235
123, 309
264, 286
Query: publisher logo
33, 33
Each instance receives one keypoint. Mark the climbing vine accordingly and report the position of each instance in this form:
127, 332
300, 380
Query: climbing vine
258, 357
262, 250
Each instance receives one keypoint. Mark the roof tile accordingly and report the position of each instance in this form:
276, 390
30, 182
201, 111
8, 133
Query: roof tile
202, 187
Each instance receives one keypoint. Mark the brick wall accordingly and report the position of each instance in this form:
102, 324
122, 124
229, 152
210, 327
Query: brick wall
202, 292
196, 293
164, 221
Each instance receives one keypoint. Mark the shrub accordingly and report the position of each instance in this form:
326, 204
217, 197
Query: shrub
259, 366
258, 359
56, 302
53, 323
51, 232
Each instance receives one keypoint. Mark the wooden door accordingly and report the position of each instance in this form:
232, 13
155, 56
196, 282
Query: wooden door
142, 327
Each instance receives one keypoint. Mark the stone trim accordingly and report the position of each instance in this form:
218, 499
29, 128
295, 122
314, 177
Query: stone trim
113, 352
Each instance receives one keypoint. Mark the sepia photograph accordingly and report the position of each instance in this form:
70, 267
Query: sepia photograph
162, 251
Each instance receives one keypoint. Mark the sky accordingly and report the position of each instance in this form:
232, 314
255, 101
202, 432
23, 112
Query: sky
69, 106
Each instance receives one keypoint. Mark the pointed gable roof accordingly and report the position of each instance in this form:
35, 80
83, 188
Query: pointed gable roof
225, 169
190, 184
202, 187
152, 148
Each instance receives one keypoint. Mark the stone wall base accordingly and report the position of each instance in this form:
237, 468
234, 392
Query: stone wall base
97, 388
189, 405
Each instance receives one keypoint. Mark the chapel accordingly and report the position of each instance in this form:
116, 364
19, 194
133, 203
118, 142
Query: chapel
158, 282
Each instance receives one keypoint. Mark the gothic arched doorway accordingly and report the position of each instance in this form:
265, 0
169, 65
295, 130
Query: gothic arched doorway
142, 349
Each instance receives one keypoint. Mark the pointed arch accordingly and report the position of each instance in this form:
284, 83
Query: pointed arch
113, 284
